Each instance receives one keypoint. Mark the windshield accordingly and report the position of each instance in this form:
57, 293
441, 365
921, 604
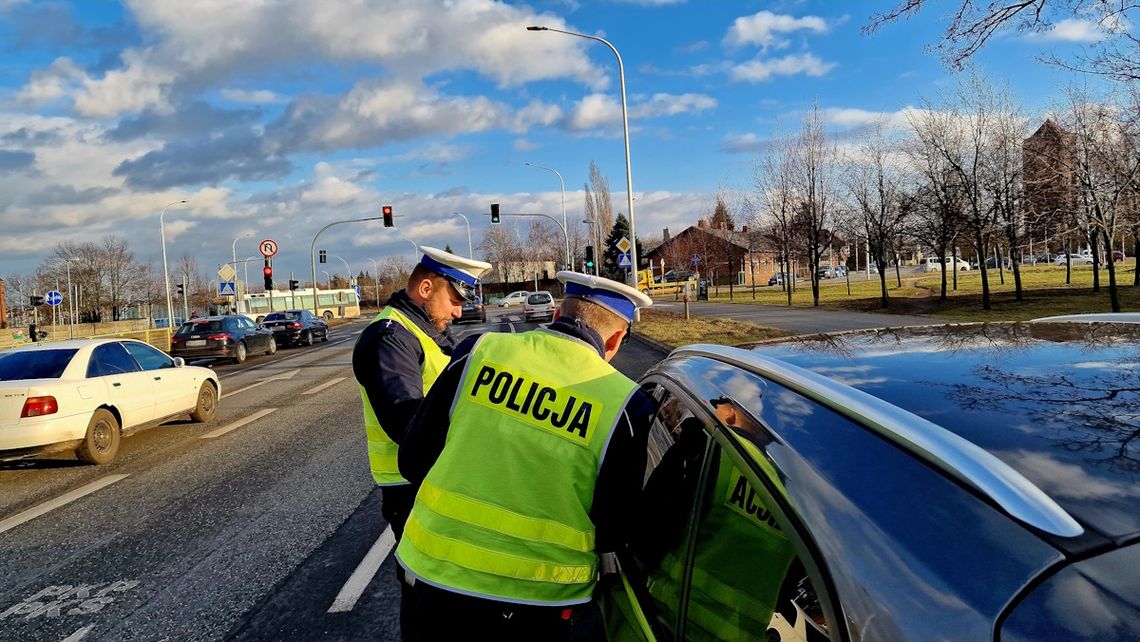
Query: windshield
538, 298
192, 327
34, 364
283, 316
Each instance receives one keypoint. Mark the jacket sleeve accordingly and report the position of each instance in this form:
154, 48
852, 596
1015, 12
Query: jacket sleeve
618, 488
427, 431
387, 362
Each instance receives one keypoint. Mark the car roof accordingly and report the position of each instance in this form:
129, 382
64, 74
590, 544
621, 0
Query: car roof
68, 344
1054, 401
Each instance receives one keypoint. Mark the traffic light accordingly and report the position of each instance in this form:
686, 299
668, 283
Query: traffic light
589, 257
495, 213
387, 212
323, 256
267, 272
181, 289
36, 300
293, 283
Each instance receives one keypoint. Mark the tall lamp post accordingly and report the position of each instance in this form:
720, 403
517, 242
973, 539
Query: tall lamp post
376, 279
165, 270
625, 127
470, 248
347, 269
233, 251
562, 186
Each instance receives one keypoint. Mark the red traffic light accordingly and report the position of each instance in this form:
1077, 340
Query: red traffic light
387, 212
267, 271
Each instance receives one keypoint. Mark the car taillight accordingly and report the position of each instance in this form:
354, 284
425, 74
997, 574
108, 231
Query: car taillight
295, 325
219, 337
176, 339
38, 406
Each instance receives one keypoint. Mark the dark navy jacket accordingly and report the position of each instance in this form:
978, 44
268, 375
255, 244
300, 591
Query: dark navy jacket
623, 469
388, 361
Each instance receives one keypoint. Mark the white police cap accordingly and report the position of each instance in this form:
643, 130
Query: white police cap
616, 297
462, 273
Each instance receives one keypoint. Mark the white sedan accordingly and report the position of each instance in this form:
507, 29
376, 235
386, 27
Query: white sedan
84, 394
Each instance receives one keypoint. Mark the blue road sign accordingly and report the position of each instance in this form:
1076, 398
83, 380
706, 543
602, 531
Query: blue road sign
53, 298
227, 288
624, 260
357, 288
696, 260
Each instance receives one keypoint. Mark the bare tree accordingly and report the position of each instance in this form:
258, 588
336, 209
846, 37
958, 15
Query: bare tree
815, 182
973, 23
874, 185
502, 249
1003, 177
774, 202
599, 200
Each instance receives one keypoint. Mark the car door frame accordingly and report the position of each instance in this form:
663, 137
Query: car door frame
132, 415
173, 388
800, 537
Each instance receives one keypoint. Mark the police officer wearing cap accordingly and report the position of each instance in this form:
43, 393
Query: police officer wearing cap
526, 456
398, 357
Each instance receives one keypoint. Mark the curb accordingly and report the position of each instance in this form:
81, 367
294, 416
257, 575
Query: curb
655, 345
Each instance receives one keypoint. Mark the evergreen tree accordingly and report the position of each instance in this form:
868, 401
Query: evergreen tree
721, 215
447, 248
609, 264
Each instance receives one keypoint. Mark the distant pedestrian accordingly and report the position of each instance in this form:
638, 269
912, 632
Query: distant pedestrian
33, 331
527, 453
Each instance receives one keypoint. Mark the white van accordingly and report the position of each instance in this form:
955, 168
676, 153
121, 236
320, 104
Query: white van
934, 264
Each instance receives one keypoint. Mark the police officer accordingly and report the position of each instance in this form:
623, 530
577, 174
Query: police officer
398, 357
527, 455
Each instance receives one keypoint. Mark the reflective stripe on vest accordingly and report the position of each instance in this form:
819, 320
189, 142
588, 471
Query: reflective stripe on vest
382, 451
504, 512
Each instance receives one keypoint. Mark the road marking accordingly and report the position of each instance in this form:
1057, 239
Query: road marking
237, 424
358, 581
327, 384
278, 377
78, 635
52, 504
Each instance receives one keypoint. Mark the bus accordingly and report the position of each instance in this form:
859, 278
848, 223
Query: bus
331, 304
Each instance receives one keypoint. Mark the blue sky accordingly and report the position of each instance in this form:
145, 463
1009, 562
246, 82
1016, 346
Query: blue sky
275, 118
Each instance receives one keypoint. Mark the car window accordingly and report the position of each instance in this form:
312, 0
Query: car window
196, 327
148, 357
34, 364
536, 299
110, 359
275, 316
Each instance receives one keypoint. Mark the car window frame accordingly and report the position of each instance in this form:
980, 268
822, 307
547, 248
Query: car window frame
147, 347
110, 346
806, 549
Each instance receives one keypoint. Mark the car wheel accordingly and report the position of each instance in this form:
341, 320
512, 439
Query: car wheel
207, 403
307, 338
325, 336
239, 353
328, 315
272, 346
101, 443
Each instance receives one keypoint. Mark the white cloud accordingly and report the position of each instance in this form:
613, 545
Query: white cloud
673, 105
524, 145
765, 29
600, 110
136, 86
254, 96
57, 80
762, 70
1071, 30
742, 143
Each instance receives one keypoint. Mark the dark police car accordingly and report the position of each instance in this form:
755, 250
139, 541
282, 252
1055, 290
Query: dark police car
971, 482
292, 327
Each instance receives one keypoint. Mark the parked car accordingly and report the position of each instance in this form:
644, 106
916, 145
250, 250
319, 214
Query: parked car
514, 298
828, 272
673, 276
1075, 259
1006, 263
473, 311
539, 306
934, 264
1117, 256
293, 327
226, 337
890, 485
776, 279
85, 394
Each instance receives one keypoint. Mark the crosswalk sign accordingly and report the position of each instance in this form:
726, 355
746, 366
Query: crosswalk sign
227, 288
624, 260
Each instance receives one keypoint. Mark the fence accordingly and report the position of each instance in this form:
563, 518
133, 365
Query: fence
134, 329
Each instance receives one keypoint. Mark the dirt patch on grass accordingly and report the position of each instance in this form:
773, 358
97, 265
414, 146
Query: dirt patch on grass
674, 330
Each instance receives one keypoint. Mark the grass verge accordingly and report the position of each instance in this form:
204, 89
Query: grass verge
674, 330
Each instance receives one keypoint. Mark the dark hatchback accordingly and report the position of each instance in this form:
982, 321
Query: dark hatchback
296, 327
473, 311
227, 337
971, 482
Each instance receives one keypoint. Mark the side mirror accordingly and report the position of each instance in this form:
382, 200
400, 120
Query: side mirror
179, 362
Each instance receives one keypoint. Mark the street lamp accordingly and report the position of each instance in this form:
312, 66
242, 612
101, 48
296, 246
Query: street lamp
562, 185
165, 271
233, 252
470, 249
328, 279
625, 127
347, 269
376, 279
70, 300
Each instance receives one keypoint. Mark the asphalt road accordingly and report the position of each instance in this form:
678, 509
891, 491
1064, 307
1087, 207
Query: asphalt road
262, 525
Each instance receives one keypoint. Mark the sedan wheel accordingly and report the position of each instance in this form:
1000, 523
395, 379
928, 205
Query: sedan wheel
307, 338
207, 403
101, 443
272, 346
239, 353
325, 335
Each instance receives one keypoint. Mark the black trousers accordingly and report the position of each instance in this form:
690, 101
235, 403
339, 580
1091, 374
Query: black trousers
395, 505
430, 614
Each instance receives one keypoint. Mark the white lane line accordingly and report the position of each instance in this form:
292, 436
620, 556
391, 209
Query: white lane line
237, 424
78, 635
52, 504
358, 581
327, 384
277, 377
